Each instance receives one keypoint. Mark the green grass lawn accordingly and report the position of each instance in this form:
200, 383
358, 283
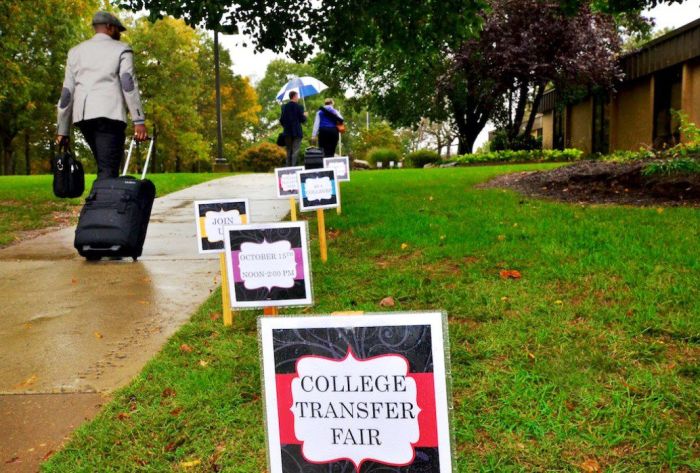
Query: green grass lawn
28, 203
589, 362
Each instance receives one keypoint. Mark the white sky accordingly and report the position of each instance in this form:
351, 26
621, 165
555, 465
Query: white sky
247, 62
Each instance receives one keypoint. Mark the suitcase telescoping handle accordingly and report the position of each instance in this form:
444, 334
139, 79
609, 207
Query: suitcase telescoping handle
148, 158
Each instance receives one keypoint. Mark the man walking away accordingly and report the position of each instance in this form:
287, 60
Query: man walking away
99, 80
293, 115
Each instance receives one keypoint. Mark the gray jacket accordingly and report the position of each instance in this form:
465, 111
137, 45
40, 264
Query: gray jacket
99, 80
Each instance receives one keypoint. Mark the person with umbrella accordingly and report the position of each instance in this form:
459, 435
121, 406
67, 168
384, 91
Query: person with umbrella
293, 115
326, 128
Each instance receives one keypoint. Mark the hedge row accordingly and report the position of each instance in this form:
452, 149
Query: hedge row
521, 156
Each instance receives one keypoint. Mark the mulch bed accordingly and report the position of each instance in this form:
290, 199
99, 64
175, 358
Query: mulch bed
598, 182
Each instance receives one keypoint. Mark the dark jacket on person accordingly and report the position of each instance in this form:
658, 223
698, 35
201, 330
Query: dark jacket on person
291, 119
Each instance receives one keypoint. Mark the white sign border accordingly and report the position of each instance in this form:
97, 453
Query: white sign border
442, 373
197, 203
307, 208
277, 179
309, 300
347, 166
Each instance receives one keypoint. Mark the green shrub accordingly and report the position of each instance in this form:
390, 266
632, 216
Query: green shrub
501, 142
382, 155
420, 158
672, 166
263, 157
521, 156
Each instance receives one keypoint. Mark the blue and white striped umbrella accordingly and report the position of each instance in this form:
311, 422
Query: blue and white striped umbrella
305, 86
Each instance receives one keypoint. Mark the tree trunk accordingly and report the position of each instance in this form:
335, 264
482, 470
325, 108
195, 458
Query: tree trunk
533, 112
519, 111
27, 162
7, 153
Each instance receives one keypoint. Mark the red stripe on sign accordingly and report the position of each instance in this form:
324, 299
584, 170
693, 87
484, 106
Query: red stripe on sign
427, 418
284, 406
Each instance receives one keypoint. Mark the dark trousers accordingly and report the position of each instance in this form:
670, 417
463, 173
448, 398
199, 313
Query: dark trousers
328, 140
293, 145
106, 140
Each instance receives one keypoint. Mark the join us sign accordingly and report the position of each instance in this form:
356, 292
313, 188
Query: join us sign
356, 393
212, 216
268, 265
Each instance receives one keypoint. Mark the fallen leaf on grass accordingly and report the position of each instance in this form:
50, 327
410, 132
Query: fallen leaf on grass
404, 246
123, 416
47, 455
176, 411
590, 466
510, 274
333, 234
660, 210
215, 315
501, 237
168, 392
203, 363
531, 355
190, 464
558, 302
185, 348
387, 302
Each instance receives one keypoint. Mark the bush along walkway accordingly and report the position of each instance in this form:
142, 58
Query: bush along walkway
70, 327
574, 334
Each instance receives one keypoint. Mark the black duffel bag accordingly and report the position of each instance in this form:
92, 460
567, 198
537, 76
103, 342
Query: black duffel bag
68, 174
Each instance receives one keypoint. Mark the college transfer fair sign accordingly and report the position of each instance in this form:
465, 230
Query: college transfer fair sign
268, 265
212, 216
356, 393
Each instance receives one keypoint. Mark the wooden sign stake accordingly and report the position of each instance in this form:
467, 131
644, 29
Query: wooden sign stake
271, 311
322, 234
293, 208
337, 209
225, 296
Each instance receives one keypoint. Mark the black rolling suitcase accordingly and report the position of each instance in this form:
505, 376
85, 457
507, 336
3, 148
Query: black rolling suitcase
313, 158
114, 219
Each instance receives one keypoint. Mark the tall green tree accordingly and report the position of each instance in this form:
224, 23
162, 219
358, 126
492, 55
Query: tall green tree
35, 36
174, 65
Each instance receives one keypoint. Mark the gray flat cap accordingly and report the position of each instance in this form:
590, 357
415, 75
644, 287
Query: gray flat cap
106, 18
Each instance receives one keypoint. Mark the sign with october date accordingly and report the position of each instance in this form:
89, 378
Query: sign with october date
341, 164
268, 265
318, 189
211, 216
287, 184
356, 393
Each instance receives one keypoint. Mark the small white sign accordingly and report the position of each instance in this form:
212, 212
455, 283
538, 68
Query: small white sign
211, 216
379, 164
287, 184
318, 189
391, 164
341, 165
268, 265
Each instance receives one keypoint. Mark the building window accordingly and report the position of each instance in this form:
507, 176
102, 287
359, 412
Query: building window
667, 97
601, 124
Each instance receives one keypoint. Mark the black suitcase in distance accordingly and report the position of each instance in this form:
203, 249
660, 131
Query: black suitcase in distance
114, 219
313, 158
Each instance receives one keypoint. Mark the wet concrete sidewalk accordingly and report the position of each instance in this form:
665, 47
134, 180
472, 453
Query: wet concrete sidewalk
79, 330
